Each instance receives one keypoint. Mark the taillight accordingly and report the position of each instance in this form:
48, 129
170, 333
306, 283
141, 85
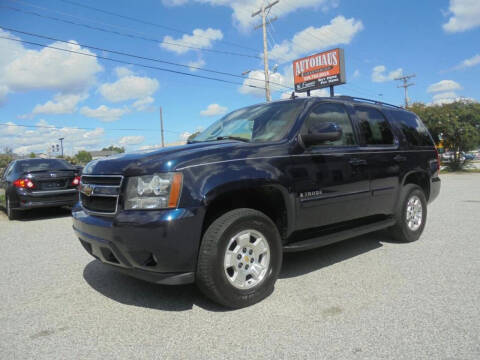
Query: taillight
76, 181
24, 183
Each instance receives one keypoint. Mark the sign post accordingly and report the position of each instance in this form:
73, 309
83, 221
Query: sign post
326, 69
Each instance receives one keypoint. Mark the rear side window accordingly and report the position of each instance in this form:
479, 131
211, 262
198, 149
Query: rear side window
332, 113
374, 126
414, 130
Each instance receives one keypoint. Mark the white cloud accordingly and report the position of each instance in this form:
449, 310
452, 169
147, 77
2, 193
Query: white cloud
144, 103
356, 73
24, 140
122, 71
317, 92
449, 97
465, 15
255, 83
473, 61
443, 86
61, 104
214, 110
174, 2
128, 87
379, 74
184, 136
131, 140
242, 9
104, 113
200, 38
46, 69
50, 69
3, 93
339, 31
194, 65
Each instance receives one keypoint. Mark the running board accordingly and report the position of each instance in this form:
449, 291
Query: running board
338, 236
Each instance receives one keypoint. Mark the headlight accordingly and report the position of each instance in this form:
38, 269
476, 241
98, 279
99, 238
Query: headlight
157, 191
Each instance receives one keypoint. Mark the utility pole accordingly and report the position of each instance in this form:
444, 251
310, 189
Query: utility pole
406, 85
265, 46
61, 144
161, 127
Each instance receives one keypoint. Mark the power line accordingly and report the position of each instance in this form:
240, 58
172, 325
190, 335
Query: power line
133, 63
129, 35
146, 22
131, 55
82, 128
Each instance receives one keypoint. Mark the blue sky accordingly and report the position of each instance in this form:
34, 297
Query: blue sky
436, 39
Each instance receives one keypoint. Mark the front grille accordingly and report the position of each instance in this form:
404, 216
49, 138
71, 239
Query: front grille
100, 193
102, 180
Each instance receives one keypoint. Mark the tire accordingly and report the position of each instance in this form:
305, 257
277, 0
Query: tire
11, 214
239, 230
405, 230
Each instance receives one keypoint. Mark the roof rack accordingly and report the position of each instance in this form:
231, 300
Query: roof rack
353, 98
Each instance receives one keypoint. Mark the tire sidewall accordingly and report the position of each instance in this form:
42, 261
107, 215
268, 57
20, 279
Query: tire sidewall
233, 296
411, 190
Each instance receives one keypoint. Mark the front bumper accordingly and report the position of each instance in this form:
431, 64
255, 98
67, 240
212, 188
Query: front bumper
38, 199
156, 246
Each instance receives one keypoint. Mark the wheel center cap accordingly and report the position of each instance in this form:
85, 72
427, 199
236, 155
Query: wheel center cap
246, 258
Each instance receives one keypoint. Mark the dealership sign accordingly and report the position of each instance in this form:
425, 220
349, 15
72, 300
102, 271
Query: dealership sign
319, 71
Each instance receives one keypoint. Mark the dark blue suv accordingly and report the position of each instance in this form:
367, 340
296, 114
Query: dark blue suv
266, 179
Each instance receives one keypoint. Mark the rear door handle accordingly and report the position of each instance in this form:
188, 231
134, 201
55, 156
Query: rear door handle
400, 158
357, 162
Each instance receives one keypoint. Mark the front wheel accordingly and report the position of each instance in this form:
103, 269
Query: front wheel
240, 258
410, 215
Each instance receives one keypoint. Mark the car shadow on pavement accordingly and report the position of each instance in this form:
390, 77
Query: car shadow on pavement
44, 214
301, 263
130, 291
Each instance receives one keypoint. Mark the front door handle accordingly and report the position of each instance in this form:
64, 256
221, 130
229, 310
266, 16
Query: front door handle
357, 162
400, 158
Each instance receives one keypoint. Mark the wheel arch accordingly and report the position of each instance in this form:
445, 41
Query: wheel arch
272, 199
420, 178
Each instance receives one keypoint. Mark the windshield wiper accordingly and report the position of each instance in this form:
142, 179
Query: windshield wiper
238, 138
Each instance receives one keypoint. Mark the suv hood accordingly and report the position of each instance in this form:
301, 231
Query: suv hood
173, 158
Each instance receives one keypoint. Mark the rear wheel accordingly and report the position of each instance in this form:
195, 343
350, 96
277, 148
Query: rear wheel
11, 214
410, 215
240, 258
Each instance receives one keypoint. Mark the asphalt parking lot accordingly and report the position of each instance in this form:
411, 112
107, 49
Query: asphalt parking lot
365, 298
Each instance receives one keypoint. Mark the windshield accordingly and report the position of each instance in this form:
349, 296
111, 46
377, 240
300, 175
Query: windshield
259, 123
43, 164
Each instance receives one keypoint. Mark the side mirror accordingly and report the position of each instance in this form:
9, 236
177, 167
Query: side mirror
319, 133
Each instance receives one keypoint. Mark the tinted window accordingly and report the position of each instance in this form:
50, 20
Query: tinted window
415, 132
374, 126
332, 113
42, 164
259, 123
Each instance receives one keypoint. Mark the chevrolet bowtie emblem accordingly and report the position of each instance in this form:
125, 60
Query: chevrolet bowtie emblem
87, 190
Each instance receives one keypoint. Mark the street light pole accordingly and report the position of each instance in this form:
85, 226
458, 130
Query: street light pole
61, 144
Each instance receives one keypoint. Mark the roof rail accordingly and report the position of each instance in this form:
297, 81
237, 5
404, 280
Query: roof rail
353, 98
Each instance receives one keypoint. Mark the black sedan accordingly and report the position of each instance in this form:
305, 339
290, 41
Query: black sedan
34, 183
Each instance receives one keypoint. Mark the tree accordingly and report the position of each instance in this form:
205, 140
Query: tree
5, 159
456, 124
83, 157
32, 155
114, 148
193, 136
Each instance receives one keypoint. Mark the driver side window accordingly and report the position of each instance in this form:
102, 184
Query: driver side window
327, 113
